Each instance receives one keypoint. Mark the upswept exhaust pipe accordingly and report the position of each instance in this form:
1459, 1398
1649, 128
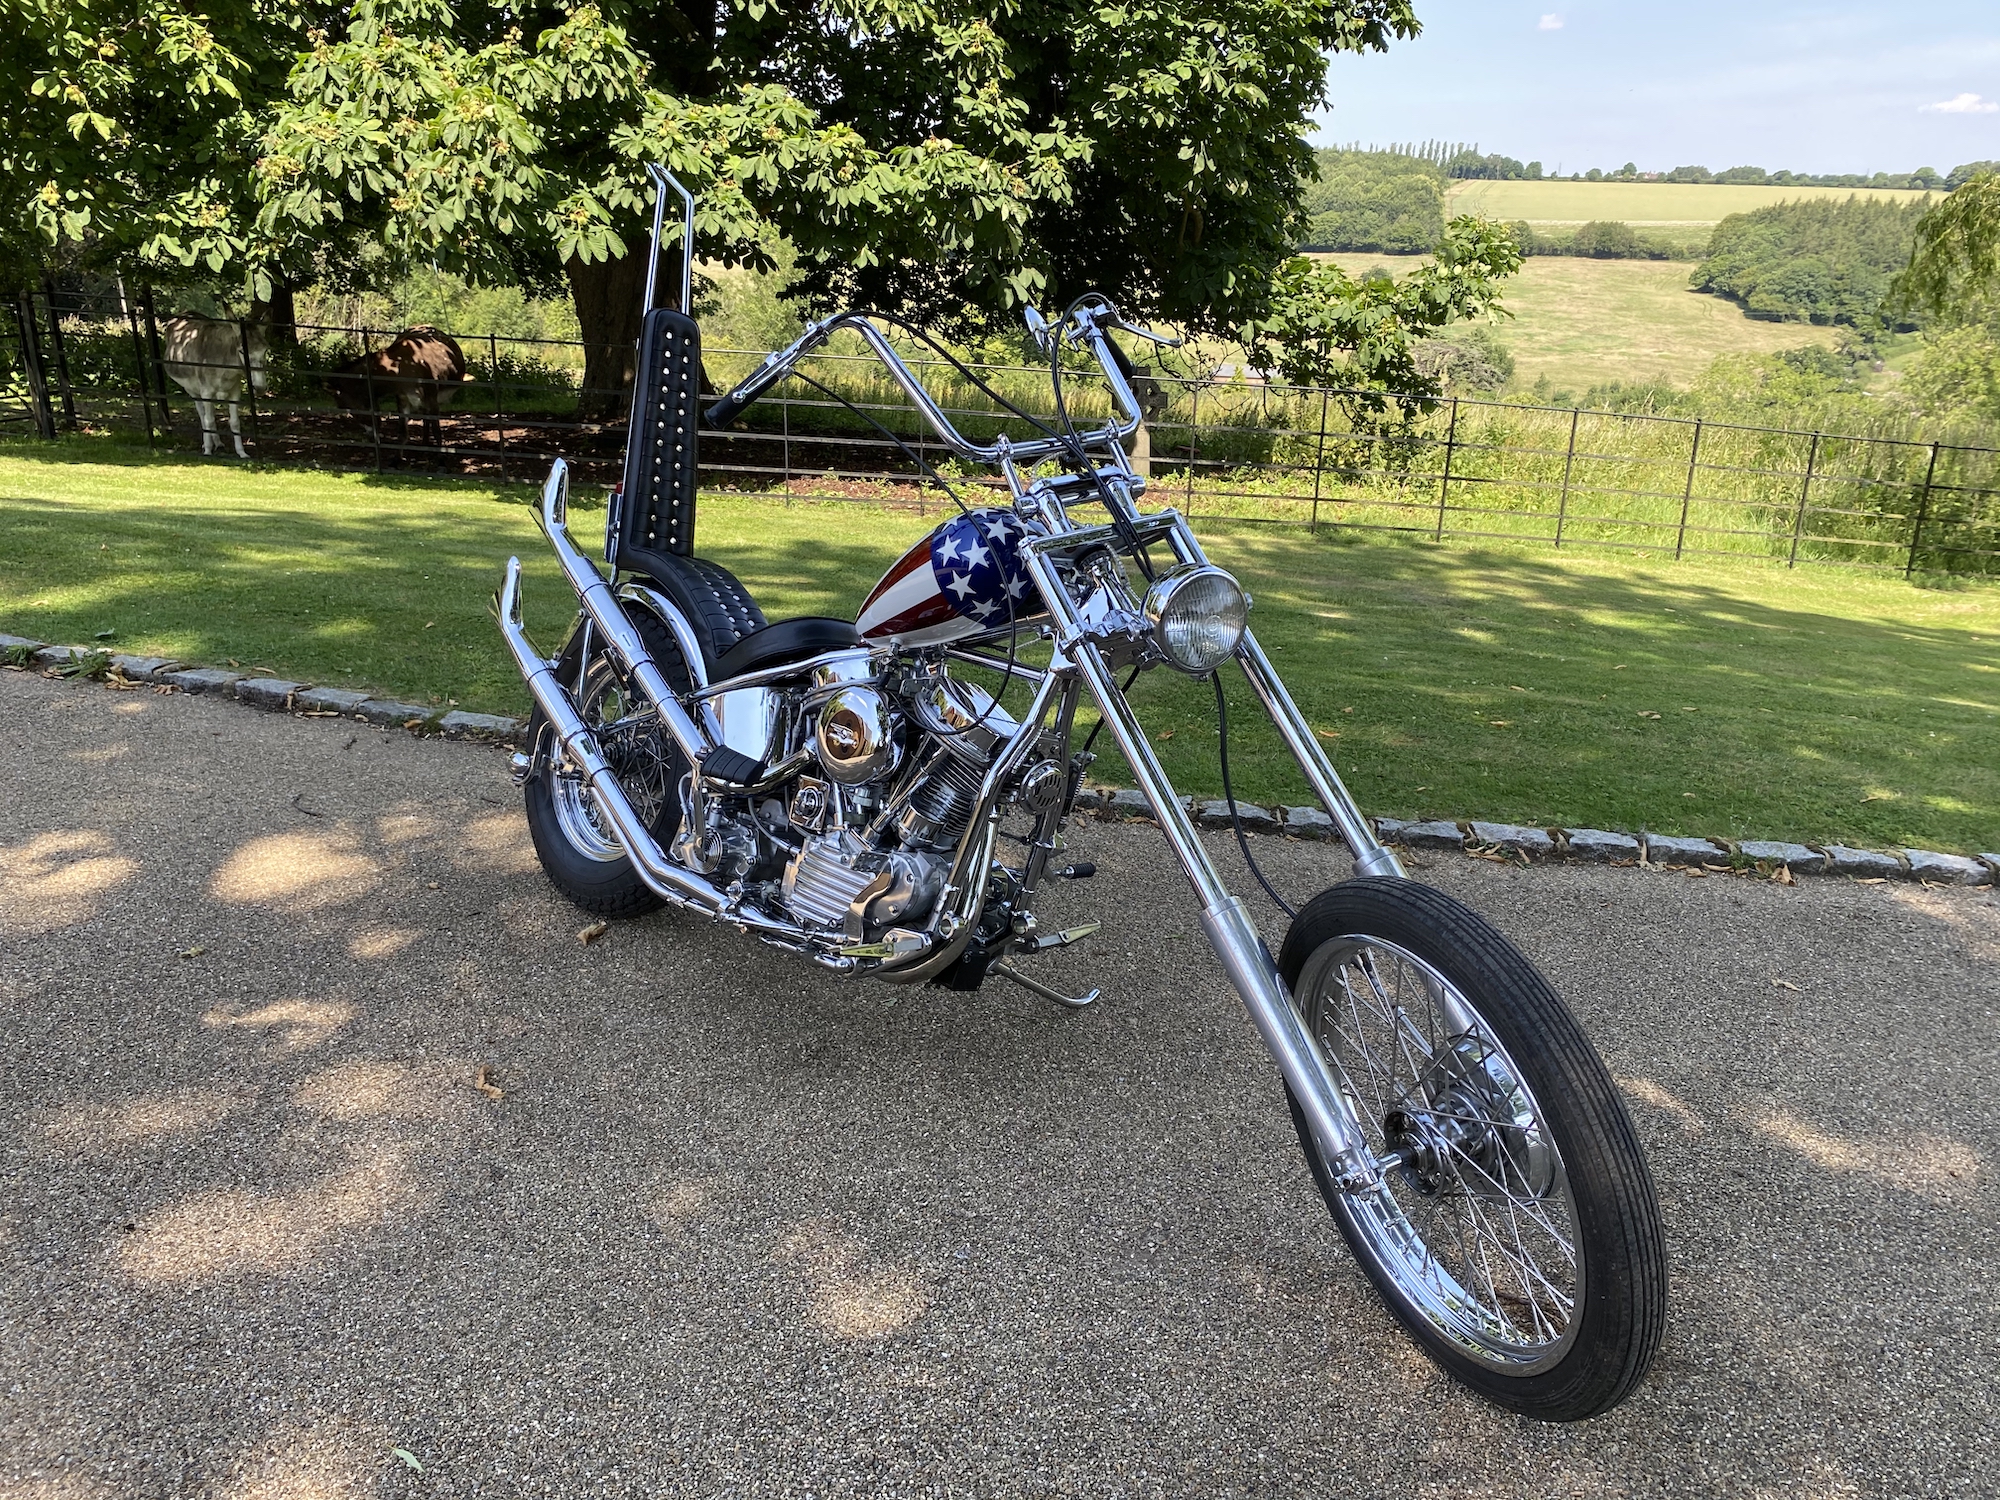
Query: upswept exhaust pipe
668, 880
700, 743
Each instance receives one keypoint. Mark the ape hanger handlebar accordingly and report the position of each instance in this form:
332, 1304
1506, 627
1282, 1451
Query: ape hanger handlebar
1086, 326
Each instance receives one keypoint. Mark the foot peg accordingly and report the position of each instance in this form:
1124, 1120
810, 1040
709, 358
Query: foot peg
1062, 939
731, 766
1083, 869
1034, 986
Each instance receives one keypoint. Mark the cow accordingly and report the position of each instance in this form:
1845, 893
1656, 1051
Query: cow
422, 368
207, 358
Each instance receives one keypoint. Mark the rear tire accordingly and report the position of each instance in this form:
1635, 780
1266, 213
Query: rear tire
575, 844
1519, 1239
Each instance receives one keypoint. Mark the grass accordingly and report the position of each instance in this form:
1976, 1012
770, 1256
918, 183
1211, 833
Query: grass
1449, 681
1587, 322
1636, 203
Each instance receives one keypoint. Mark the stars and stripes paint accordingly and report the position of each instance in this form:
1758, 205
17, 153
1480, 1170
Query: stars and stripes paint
962, 579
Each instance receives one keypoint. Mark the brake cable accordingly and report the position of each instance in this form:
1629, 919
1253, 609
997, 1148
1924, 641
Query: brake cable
1235, 818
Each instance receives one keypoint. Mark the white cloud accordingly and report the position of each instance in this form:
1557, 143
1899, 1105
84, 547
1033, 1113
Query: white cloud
1964, 104
1551, 22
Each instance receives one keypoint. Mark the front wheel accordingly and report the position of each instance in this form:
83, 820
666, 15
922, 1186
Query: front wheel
1515, 1232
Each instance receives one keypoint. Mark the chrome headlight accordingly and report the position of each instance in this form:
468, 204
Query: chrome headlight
1197, 614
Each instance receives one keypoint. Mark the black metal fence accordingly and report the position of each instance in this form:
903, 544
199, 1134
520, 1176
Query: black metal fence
1221, 450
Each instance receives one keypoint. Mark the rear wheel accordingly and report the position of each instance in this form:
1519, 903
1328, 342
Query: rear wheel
578, 849
1516, 1233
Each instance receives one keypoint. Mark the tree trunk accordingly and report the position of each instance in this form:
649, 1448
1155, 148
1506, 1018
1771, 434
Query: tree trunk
279, 314
607, 295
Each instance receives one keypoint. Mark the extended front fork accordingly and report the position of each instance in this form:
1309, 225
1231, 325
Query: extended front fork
1313, 1079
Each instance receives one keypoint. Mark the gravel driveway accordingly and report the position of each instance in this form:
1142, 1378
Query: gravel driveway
735, 1226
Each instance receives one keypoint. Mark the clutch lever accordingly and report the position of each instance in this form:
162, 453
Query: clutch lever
1145, 333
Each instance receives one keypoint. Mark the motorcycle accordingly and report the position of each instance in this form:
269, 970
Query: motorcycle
841, 790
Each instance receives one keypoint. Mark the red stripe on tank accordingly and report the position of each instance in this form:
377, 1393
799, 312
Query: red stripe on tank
916, 557
933, 611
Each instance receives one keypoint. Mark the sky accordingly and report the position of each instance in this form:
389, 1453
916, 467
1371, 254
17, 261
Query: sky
1888, 86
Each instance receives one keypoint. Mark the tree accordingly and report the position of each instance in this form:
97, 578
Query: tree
1325, 328
948, 158
1817, 261
127, 133
1954, 269
1374, 200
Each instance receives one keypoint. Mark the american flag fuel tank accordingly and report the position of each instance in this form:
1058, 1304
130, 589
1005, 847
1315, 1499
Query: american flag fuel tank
964, 578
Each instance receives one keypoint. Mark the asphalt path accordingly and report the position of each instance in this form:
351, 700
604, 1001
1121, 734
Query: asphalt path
735, 1226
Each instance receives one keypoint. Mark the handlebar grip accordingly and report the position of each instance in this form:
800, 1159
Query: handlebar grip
729, 408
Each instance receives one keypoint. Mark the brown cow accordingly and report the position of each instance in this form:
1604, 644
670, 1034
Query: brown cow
422, 368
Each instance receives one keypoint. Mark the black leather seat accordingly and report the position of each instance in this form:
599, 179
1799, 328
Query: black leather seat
784, 641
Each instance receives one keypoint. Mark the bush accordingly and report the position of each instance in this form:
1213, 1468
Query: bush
1374, 200
1813, 262
1603, 240
1471, 360
1958, 375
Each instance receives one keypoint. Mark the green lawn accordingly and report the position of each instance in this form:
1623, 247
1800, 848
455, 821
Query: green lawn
1451, 681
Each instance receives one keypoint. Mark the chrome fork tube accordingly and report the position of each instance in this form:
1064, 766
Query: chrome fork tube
619, 633
1370, 856
1225, 920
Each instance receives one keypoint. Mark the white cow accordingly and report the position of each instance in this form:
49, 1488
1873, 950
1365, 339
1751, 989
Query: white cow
205, 357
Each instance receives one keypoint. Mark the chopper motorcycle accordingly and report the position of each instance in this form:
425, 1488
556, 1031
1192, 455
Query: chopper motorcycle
850, 792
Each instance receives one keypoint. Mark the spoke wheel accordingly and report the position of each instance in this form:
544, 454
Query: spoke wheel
574, 841
637, 752
1514, 1230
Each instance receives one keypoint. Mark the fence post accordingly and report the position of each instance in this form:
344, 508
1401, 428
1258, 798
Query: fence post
1444, 486
249, 378
1569, 464
368, 386
1799, 524
138, 360
493, 363
1319, 462
785, 429
31, 364
1687, 494
159, 362
1923, 513
1194, 419
61, 353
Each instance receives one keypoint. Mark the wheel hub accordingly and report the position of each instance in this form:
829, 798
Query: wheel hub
1474, 1129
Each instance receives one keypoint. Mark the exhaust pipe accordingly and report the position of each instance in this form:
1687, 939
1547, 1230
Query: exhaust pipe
670, 881
700, 743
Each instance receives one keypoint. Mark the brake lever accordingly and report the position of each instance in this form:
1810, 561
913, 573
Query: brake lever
1147, 334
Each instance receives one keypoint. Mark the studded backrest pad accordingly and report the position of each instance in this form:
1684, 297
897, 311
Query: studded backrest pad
657, 513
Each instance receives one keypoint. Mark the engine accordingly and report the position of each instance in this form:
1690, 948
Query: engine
862, 839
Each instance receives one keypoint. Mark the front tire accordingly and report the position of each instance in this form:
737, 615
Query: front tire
1516, 1234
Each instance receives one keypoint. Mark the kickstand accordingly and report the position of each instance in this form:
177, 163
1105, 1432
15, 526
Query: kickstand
1069, 1002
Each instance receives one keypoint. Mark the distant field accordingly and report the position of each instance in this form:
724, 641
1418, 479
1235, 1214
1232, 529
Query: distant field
1638, 203
1590, 322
